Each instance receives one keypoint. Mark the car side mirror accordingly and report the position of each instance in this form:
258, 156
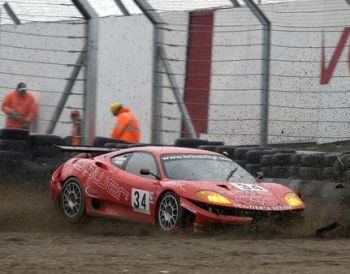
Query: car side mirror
259, 175
146, 172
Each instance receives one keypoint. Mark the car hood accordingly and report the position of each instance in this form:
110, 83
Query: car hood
250, 195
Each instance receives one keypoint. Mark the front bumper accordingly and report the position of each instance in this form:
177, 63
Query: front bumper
207, 214
204, 217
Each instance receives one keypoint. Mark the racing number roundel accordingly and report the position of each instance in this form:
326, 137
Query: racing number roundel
140, 200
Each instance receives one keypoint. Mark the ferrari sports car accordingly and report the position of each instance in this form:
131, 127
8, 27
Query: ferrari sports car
168, 186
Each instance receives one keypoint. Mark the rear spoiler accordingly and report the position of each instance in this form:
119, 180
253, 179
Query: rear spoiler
87, 149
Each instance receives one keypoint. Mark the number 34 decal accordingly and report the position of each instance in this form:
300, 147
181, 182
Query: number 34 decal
140, 200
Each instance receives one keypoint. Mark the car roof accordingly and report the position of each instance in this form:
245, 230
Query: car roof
158, 150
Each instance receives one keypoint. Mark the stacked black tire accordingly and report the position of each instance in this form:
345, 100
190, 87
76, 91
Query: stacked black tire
14, 145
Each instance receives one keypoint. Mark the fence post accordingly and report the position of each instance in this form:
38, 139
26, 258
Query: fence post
156, 110
122, 8
181, 104
89, 123
67, 91
12, 14
265, 69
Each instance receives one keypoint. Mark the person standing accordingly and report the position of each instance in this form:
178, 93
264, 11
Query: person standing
126, 127
20, 108
76, 128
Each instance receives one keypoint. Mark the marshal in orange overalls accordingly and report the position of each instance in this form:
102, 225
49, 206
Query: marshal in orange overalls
23, 105
126, 127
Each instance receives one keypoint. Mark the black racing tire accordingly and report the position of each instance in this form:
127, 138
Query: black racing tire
116, 145
345, 159
311, 160
45, 139
281, 159
253, 168
241, 151
14, 145
169, 212
215, 143
279, 171
266, 160
101, 141
45, 151
7, 155
229, 151
293, 171
329, 159
295, 159
67, 140
72, 201
242, 163
267, 172
208, 147
327, 173
309, 173
254, 156
14, 134
190, 142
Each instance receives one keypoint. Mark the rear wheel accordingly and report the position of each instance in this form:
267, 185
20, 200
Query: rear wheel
169, 212
72, 201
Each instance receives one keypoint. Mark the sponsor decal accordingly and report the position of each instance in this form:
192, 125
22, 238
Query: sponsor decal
100, 178
172, 157
328, 70
253, 207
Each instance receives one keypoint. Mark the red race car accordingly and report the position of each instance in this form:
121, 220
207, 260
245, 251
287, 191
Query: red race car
168, 186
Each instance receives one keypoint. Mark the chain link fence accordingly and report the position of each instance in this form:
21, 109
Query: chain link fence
208, 68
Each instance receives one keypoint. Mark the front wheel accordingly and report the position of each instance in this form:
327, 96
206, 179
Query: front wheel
72, 201
169, 212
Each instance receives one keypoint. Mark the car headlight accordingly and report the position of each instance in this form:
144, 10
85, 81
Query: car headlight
293, 200
213, 197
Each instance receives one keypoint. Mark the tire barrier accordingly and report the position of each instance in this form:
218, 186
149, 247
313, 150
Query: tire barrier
6, 156
326, 201
253, 168
311, 160
240, 153
254, 156
101, 141
266, 160
14, 134
190, 142
281, 159
208, 147
14, 145
45, 140
328, 160
18, 145
229, 151
293, 171
116, 145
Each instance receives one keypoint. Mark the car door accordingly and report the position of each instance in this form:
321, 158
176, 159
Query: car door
141, 189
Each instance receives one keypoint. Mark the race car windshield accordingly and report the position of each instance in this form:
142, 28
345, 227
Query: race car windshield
203, 167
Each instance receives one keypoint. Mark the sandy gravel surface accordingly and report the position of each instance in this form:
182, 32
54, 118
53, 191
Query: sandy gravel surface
79, 253
34, 239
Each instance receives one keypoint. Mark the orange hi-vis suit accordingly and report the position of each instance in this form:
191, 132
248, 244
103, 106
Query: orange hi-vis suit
24, 105
126, 127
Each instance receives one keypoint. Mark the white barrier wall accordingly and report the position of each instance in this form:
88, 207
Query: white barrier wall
42, 55
301, 108
125, 71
